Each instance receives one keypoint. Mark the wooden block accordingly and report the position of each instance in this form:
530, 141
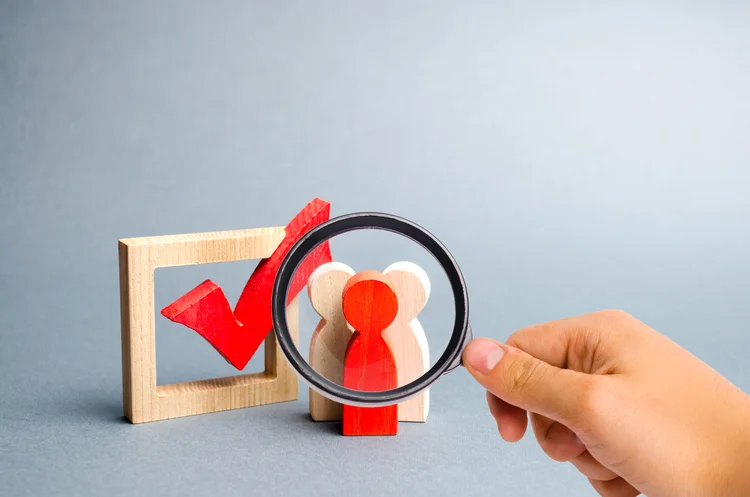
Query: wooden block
237, 336
406, 337
331, 337
370, 305
143, 400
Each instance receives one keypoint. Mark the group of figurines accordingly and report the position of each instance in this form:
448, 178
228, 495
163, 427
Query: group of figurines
369, 339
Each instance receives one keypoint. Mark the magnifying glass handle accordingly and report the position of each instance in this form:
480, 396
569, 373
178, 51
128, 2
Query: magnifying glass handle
458, 361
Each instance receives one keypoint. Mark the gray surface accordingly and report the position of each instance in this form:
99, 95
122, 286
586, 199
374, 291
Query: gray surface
572, 157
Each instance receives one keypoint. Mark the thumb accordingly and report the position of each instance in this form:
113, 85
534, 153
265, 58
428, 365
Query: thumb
526, 382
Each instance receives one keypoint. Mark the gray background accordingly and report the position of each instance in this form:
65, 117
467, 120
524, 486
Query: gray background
572, 155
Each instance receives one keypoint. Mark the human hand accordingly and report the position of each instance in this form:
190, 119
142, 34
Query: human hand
630, 409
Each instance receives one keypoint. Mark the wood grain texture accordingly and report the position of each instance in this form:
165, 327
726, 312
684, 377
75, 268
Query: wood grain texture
331, 336
369, 305
407, 338
237, 335
143, 400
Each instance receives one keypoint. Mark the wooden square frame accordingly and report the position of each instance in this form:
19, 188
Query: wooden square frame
143, 399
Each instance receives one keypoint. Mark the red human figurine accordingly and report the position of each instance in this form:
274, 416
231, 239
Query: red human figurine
370, 305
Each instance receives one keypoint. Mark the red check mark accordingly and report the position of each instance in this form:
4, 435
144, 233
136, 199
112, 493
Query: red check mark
237, 335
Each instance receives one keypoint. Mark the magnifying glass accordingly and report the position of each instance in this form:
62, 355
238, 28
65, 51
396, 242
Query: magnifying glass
448, 361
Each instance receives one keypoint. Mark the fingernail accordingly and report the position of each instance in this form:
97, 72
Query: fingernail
483, 355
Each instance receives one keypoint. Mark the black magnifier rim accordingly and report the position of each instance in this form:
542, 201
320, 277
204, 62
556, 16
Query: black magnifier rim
385, 222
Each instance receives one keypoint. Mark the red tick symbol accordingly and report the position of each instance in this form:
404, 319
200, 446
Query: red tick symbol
237, 335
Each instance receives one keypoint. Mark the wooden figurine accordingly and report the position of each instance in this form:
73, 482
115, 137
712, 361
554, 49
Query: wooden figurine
331, 337
236, 336
370, 305
406, 337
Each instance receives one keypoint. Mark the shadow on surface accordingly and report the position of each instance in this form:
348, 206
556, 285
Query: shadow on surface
83, 407
331, 427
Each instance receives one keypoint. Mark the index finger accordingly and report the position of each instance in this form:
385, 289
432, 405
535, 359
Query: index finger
571, 343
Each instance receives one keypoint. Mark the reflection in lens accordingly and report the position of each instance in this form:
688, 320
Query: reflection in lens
372, 315
369, 337
370, 306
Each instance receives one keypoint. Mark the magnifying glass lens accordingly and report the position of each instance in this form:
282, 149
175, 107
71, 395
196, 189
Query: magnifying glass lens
374, 328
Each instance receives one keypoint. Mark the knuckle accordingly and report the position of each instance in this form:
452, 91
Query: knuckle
555, 450
513, 339
614, 315
590, 394
552, 450
593, 399
521, 376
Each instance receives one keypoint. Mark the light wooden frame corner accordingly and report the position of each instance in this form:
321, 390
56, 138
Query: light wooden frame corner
143, 399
